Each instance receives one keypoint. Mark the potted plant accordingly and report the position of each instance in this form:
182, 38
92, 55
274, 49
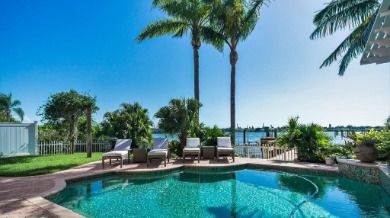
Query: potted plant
365, 150
330, 160
329, 152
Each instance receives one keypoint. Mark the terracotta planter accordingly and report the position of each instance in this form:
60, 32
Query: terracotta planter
366, 153
330, 161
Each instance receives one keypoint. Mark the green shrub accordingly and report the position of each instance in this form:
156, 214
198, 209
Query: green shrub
209, 135
309, 140
384, 146
175, 148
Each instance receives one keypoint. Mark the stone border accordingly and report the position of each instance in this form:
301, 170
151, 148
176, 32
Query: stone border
353, 169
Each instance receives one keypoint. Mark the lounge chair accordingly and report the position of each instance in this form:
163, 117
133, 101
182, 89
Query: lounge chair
160, 151
121, 150
224, 147
192, 148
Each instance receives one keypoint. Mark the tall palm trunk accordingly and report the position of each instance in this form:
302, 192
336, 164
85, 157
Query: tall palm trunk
183, 140
196, 45
233, 61
8, 115
196, 73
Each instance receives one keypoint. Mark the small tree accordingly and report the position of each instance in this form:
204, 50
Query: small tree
179, 117
67, 107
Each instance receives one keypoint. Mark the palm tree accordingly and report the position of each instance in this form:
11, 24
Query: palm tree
234, 20
132, 121
7, 105
185, 16
356, 15
138, 124
179, 117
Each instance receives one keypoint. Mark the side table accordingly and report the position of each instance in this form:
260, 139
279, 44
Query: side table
208, 152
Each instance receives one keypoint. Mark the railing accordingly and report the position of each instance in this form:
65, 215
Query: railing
60, 147
267, 150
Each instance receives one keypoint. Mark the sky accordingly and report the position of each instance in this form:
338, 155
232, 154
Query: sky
51, 46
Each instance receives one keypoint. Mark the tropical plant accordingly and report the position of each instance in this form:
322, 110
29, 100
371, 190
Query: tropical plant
7, 105
234, 20
369, 138
185, 16
309, 140
179, 117
333, 150
130, 121
175, 148
355, 15
209, 135
66, 108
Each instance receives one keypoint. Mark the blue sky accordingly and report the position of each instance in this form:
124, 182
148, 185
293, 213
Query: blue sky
51, 46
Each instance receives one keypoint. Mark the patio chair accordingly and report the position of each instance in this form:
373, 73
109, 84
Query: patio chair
192, 148
121, 150
224, 147
160, 151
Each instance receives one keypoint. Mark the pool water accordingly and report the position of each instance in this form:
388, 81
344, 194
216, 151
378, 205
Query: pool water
242, 193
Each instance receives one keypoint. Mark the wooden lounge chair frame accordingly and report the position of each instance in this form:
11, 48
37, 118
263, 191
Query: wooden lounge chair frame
222, 151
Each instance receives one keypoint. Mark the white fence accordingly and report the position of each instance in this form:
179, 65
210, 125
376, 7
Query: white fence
266, 151
59, 147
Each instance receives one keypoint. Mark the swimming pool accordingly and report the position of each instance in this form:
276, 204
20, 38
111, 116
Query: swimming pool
239, 193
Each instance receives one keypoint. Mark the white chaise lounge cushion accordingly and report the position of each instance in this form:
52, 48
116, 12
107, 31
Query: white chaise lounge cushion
191, 150
223, 142
115, 154
193, 143
158, 153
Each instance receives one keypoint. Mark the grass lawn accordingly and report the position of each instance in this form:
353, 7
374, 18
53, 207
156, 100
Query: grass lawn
37, 165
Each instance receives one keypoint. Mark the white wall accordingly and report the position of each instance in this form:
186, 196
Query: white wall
18, 138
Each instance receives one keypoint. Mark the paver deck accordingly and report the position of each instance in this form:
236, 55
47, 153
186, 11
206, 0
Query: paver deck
23, 196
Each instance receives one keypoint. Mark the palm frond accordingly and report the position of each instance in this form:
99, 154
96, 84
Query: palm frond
19, 112
354, 45
250, 19
160, 28
357, 46
341, 14
16, 103
209, 35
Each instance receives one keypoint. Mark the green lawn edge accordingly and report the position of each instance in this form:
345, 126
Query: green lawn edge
39, 165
